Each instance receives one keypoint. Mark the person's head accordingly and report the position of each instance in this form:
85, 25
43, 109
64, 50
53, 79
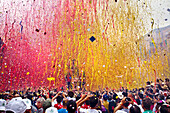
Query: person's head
148, 83
87, 102
71, 106
109, 97
65, 101
59, 99
46, 104
160, 103
141, 96
146, 103
39, 102
78, 97
138, 101
93, 101
105, 97
166, 79
160, 97
125, 94
126, 104
134, 109
165, 108
71, 94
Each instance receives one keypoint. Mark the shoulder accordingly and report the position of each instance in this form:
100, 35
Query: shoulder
62, 111
93, 111
82, 110
120, 111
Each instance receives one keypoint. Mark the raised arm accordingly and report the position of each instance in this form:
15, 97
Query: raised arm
52, 100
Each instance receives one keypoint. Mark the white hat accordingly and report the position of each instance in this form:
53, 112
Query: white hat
2, 104
16, 98
120, 95
51, 110
28, 103
17, 106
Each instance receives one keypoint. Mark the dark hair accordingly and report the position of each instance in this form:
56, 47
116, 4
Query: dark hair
93, 101
126, 104
109, 97
161, 97
78, 97
141, 96
59, 99
160, 103
135, 109
138, 101
150, 90
65, 102
146, 103
70, 94
125, 94
148, 83
114, 96
87, 102
165, 108
71, 106
166, 80
46, 104
105, 97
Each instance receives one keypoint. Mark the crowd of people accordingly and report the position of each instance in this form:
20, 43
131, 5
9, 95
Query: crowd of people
154, 98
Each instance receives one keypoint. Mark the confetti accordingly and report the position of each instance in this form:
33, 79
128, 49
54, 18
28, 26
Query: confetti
124, 46
92, 39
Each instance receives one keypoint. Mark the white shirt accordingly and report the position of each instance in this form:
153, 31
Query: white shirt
69, 98
89, 110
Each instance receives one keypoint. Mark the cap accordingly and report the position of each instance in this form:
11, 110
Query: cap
17, 106
16, 98
28, 103
120, 95
2, 104
51, 110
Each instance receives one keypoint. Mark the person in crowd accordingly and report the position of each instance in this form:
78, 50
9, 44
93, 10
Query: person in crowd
51, 110
123, 106
165, 108
30, 107
64, 108
94, 104
112, 104
71, 106
47, 103
59, 100
105, 102
146, 105
134, 109
149, 99
39, 104
71, 96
